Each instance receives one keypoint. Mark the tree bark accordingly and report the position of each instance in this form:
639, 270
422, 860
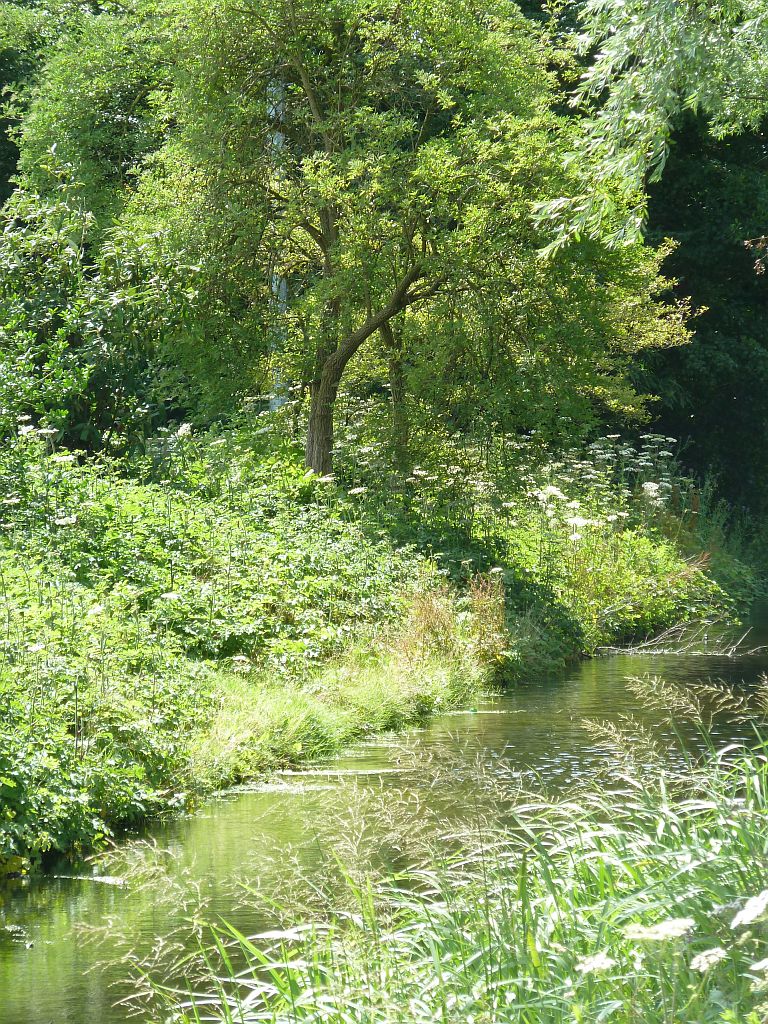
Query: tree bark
330, 367
397, 391
319, 449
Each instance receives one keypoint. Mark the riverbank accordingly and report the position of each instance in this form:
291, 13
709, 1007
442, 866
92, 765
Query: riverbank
208, 614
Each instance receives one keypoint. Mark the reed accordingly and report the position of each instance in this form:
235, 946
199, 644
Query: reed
644, 901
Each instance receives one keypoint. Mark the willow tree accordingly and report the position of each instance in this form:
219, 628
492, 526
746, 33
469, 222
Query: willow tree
648, 62
366, 152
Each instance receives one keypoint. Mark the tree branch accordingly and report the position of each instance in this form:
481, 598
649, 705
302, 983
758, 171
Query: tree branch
402, 297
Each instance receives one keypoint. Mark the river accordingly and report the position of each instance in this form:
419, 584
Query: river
239, 852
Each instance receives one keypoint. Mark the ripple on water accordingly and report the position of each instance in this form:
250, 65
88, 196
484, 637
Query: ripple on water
257, 843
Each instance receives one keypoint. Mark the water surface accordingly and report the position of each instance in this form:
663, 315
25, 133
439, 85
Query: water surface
239, 852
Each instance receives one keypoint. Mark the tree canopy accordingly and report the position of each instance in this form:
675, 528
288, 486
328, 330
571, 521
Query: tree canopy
306, 200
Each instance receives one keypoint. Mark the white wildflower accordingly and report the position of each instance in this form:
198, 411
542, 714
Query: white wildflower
170, 595
551, 492
578, 521
62, 458
761, 965
358, 490
754, 908
672, 928
650, 488
597, 962
574, 538
703, 961
184, 430
65, 520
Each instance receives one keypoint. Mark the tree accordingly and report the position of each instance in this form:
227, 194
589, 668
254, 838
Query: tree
68, 327
712, 392
408, 136
384, 160
93, 106
650, 61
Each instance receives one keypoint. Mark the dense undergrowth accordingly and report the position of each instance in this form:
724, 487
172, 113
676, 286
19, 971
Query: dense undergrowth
641, 897
210, 611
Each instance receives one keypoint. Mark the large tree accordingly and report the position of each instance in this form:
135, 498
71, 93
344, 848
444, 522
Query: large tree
371, 150
344, 185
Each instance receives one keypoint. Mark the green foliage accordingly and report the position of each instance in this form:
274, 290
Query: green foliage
551, 352
43, 278
78, 757
371, 174
127, 608
221, 612
291, 183
591, 539
94, 105
78, 346
648, 64
712, 392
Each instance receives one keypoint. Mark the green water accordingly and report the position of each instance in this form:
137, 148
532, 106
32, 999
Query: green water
239, 852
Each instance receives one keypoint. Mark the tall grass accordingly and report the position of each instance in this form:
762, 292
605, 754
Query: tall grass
645, 901
443, 655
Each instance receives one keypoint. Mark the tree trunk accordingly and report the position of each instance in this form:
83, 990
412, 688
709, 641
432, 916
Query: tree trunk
397, 390
329, 367
319, 450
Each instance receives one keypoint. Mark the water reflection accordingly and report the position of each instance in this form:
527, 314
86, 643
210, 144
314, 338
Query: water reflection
288, 833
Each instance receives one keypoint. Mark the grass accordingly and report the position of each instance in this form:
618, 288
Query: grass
210, 612
438, 659
645, 900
